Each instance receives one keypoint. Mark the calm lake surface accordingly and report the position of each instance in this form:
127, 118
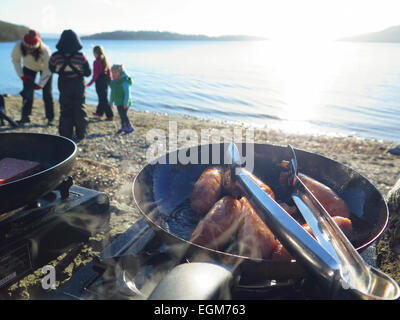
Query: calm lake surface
336, 88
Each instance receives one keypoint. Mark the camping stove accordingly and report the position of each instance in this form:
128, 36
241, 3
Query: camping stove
134, 263
32, 236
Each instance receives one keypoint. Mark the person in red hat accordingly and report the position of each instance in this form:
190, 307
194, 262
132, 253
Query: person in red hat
30, 56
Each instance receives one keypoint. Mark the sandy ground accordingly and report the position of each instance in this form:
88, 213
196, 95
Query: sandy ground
109, 163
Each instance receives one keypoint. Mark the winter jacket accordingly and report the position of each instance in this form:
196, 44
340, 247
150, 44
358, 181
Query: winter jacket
42, 64
98, 69
120, 94
68, 62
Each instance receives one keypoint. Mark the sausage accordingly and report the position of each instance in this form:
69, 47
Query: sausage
283, 178
291, 210
255, 239
207, 190
344, 224
219, 224
230, 187
280, 252
262, 185
333, 204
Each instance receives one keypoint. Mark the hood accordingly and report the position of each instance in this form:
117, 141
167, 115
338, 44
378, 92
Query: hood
126, 77
69, 42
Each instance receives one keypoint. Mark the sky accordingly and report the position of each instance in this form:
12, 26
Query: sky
273, 19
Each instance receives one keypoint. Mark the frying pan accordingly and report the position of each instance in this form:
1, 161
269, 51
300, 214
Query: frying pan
163, 187
55, 154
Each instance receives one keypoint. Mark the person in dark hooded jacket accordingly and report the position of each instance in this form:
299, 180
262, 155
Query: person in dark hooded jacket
71, 66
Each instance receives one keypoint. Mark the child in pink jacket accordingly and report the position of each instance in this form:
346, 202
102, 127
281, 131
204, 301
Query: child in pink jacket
102, 78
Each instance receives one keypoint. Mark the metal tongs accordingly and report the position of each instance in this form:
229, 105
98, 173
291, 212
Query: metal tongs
330, 256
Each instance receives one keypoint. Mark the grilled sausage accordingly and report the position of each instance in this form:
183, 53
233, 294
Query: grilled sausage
333, 204
255, 239
344, 224
262, 185
207, 190
280, 252
219, 224
291, 210
230, 187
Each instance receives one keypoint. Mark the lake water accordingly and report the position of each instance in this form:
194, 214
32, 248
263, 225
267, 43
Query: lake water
336, 88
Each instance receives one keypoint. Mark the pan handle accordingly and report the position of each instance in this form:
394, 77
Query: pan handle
195, 281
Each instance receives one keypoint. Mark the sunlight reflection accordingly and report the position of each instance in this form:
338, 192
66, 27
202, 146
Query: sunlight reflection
305, 75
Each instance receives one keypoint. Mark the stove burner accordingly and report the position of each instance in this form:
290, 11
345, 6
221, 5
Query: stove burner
32, 236
133, 264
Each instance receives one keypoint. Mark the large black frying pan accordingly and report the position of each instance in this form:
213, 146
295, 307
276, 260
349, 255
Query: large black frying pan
163, 188
55, 154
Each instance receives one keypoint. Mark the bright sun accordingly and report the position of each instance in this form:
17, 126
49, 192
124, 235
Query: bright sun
308, 20
303, 31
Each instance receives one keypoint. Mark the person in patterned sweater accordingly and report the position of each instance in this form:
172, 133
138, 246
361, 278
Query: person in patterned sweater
71, 66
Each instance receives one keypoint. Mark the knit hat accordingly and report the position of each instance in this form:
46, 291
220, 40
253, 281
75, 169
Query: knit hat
31, 40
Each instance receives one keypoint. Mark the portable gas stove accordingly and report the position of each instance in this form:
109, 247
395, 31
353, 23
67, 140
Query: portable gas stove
32, 236
134, 263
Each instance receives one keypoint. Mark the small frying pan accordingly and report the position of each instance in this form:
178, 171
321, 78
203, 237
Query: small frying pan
163, 188
55, 154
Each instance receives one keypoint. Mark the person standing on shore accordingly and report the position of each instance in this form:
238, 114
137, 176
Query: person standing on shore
34, 55
71, 66
102, 78
121, 96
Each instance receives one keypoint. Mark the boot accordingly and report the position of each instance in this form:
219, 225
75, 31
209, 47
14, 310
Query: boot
23, 120
128, 129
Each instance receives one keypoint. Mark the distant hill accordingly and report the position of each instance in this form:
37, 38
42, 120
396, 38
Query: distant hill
11, 32
162, 35
391, 34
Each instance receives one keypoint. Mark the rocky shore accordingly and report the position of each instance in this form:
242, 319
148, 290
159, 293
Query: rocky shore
108, 162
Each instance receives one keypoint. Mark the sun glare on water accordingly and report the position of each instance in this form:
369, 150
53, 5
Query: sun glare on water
303, 77
303, 53
305, 65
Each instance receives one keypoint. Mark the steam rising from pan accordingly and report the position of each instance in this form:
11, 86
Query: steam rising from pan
161, 192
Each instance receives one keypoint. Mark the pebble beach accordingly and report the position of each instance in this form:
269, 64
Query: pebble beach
108, 162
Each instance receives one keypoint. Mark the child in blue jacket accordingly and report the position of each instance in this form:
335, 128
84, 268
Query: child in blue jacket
120, 95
